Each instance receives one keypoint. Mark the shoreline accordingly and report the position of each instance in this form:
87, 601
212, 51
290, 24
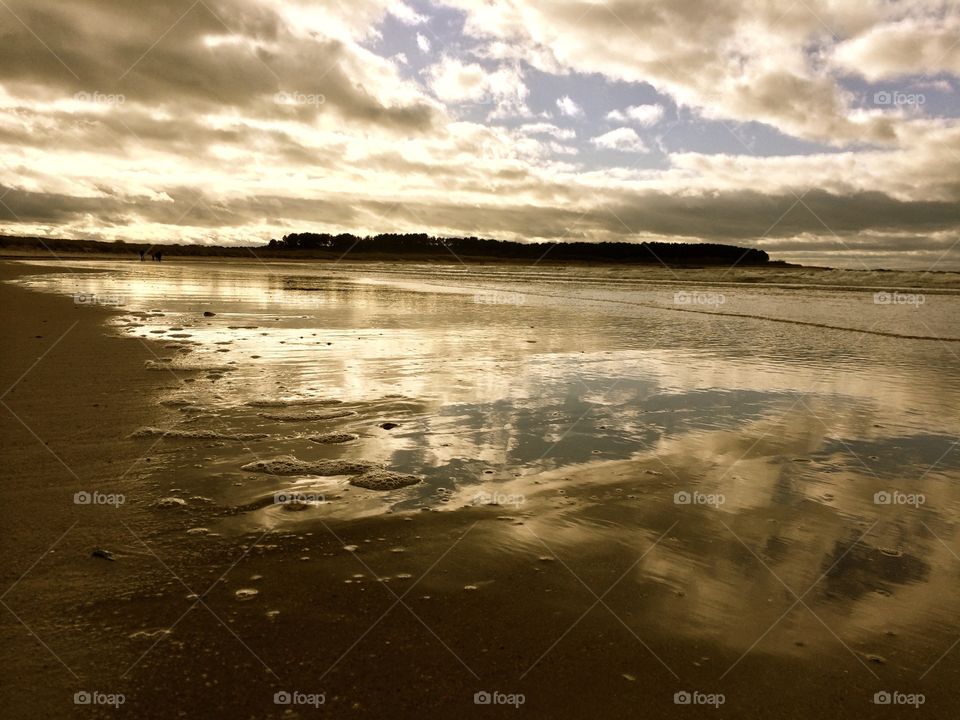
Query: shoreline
479, 607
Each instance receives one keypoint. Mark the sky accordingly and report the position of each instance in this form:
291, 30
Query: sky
822, 131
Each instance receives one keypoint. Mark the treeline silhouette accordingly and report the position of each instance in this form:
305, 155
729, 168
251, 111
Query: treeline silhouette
423, 245
413, 246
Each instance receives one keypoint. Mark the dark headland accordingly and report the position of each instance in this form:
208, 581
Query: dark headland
418, 247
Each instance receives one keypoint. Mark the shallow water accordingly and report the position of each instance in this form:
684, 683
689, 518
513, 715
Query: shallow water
595, 411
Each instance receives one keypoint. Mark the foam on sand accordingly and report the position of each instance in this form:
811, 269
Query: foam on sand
168, 364
289, 465
292, 402
380, 479
331, 438
195, 434
308, 416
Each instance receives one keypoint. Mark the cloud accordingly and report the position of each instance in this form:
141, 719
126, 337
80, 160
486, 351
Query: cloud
568, 107
543, 128
454, 81
899, 49
741, 61
423, 42
406, 14
623, 139
645, 115
242, 120
237, 55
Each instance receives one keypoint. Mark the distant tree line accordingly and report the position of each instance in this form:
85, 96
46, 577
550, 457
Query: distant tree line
421, 244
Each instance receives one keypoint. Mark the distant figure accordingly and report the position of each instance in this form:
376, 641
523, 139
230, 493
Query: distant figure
142, 253
159, 257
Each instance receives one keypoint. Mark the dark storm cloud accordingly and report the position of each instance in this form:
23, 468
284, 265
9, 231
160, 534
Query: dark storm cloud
159, 56
735, 216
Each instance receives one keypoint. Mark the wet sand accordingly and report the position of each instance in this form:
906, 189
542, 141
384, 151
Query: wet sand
596, 596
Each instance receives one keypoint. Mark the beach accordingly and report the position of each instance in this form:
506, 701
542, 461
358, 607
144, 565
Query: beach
251, 489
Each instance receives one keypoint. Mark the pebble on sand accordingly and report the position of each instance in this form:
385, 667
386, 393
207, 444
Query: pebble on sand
170, 502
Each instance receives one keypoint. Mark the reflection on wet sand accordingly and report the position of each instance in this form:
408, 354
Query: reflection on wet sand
748, 478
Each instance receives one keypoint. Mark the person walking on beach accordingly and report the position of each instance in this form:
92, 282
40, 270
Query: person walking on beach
159, 257
142, 253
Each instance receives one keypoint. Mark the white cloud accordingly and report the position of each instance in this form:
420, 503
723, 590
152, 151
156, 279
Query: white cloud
903, 48
401, 58
645, 115
624, 139
406, 14
544, 128
741, 61
454, 81
423, 42
134, 170
568, 107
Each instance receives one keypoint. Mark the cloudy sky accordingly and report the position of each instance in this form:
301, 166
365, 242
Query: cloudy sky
824, 131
